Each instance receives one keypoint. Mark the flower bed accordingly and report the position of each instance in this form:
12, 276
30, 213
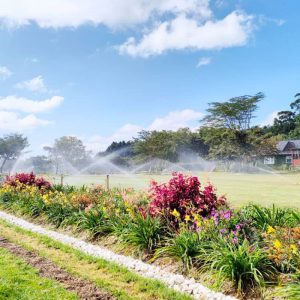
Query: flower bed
253, 248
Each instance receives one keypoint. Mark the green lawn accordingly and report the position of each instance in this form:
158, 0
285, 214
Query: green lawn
265, 189
19, 281
116, 280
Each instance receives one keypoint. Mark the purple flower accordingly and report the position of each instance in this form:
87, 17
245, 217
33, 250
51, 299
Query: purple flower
227, 215
235, 240
238, 227
223, 230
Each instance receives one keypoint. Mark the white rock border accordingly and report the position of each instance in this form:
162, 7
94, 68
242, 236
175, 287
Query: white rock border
174, 281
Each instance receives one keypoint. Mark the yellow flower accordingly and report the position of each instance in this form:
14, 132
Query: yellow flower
270, 230
187, 218
293, 249
277, 244
175, 213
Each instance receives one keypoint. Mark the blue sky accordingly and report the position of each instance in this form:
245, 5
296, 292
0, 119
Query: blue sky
104, 70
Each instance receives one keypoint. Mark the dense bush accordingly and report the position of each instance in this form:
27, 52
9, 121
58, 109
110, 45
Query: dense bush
186, 245
245, 265
182, 198
262, 217
27, 179
144, 232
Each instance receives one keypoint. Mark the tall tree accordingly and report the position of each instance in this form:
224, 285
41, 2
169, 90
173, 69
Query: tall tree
236, 113
284, 123
295, 105
67, 150
40, 163
232, 144
287, 122
11, 147
168, 144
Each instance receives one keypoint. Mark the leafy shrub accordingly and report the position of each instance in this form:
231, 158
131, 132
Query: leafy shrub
245, 265
290, 291
186, 245
92, 220
144, 232
57, 213
182, 196
27, 179
263, 216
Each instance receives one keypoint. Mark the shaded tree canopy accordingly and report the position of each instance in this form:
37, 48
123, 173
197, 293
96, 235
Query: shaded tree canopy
231, 144
123, 148
287, 122
11, 147
67, 149
167, 144
236, 113
40, 163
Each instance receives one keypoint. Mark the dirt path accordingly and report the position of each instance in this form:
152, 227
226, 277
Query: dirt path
85, 289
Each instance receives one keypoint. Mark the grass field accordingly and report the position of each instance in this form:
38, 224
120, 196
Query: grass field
19, 281
265, 189
116, 280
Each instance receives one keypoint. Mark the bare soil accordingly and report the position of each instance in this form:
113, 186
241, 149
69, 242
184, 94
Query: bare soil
85, 289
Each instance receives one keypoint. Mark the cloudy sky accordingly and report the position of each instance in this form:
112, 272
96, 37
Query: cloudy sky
105, 69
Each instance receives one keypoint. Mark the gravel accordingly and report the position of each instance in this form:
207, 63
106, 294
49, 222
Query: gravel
175, 281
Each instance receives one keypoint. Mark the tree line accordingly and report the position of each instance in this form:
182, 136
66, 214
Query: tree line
225, 133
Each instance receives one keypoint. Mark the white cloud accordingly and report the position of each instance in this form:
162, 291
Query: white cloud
112, 13
35, 84
270, 119
30, 106
5, 72
125, 133
12, 121
172, 121
32, 60
264, 20
220, 3
183, 32
175, 120
169, 24
204, 61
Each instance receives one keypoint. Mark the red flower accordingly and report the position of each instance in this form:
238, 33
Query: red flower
184, 194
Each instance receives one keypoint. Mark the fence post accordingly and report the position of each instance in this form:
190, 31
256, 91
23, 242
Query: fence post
61, 179
107, 182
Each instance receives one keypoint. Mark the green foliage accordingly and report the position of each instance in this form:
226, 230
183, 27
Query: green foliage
236, 113
94, 221
40, 163
57, 213
167, 144
67, 152
143, 232
245, 265
263, 216
296, 216
186, 245
290, 291
11, 147
235, 144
